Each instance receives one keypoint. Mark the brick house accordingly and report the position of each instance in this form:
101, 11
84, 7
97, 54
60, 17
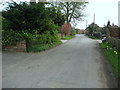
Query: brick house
82, 31
65, 29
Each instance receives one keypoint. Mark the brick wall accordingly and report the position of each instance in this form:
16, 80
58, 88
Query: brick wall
66, 29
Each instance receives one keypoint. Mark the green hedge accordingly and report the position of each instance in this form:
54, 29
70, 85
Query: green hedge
10, 37
34, 42
93, 37
42, 47
44, 41
97, 34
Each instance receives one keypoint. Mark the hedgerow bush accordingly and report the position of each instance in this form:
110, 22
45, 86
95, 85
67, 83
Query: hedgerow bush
97, 34
73, 31
34, 40
43, 42
10, 37
33, 23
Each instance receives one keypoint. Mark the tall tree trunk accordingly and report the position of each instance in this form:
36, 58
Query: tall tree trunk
67, 14
72, 13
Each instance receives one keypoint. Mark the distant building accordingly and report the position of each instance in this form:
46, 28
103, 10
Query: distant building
65, 29
43, 0
32, 1
119, 13
82, 31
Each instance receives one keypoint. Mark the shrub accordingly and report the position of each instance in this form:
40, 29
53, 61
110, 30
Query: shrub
73, 31
97, 34
20, 22
42, 47
43, 41
10, 37
93, 37
22, 16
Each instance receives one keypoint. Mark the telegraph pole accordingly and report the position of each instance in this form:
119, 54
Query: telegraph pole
93, 23
94, 18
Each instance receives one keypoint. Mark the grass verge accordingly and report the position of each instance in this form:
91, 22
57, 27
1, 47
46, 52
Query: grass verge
113, 56
68, 37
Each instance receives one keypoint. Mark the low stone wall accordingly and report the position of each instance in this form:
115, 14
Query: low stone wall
19, 47
115, 42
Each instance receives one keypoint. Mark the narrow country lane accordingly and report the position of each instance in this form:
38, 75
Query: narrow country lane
74, 64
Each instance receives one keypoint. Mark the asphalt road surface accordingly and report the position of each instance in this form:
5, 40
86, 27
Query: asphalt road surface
75, 64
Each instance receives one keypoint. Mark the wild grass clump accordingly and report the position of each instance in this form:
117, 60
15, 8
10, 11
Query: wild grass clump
113, 56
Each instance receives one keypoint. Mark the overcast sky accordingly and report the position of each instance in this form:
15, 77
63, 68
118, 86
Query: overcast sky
104, 10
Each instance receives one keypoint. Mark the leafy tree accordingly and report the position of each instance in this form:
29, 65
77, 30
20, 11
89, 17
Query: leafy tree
73, 31
32, 17
103, 30
77, 31
56, 15
31, 22
25, 16
108, 23
92, 28
72, 10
